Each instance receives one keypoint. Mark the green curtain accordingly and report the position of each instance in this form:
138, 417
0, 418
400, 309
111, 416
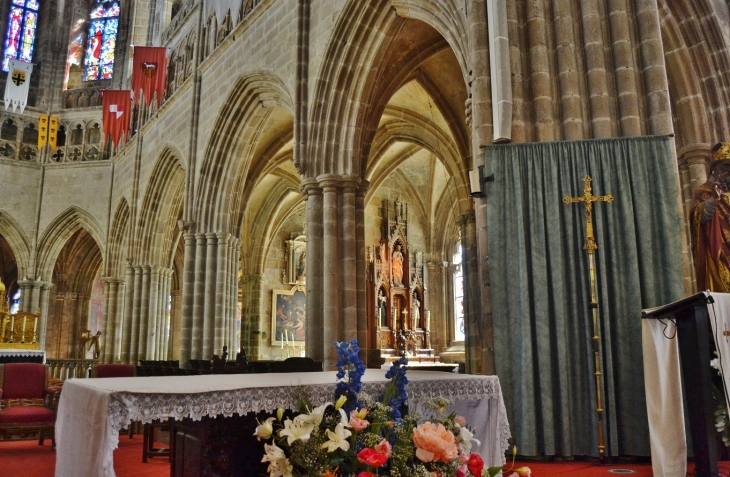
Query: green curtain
541, 287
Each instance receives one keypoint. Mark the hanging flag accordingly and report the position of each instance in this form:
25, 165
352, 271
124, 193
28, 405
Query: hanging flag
221, 8
117, 112
16, 87
42, 131
52, 131
148, 73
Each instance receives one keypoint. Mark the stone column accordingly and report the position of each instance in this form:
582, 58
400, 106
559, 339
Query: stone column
315, 323
624, 68
570, 96
596, 74
199, 297
473, 346
251, 334
221, 310
137, 301
144, 316
153, 320
360, 259
209, 282
127, 318
43, 319
348, 263
108, 319
331, 284
234, 254
111, 332
540, 78
186, 298
175, 340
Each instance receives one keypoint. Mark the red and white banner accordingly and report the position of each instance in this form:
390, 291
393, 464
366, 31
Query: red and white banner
117, 114
149, 73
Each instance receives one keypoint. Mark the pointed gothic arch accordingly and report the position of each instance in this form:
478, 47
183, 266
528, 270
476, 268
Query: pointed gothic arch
18, 241
57, 234
119, 239
230, 148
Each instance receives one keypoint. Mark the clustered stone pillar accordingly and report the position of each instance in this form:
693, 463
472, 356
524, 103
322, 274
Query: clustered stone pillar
210, 289
252, 327
335, 250
111, 332
472, 309
143, 323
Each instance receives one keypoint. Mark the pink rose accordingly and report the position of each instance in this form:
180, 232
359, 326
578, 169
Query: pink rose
358, 424
461, 471
384, 448
463, 458
460, 421
434, 443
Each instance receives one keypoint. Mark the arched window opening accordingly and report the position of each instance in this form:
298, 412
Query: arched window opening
15, 303
9, 131
459, 330
30, 134
21, 27
101, 41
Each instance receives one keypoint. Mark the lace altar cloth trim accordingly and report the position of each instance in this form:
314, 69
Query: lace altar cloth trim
21, 352
125, 407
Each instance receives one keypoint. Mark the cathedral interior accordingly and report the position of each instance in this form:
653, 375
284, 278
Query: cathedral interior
305, 176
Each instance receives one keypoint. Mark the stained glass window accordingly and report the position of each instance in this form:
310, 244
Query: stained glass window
20, 34
104, 22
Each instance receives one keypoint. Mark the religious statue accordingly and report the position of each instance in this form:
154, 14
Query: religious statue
397, 264
416, 312
301, 268
710, 218
382, 308
89, 342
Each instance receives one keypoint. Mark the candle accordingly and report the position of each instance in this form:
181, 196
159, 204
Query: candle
282, 340
35, 325
286, 336
12, 325
24, 320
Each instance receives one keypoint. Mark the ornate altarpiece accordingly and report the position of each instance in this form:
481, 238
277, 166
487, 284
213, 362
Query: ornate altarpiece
398, 321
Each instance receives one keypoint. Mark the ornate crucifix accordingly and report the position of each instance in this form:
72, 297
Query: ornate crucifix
588, 199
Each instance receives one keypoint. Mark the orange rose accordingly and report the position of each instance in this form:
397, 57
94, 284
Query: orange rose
434, 443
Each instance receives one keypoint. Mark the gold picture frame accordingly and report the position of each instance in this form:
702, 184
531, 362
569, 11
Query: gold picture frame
288, 317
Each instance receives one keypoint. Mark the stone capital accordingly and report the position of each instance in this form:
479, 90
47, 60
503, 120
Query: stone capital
698, 153
329, 182
466, 218
364, 187
223, 238
309, 186
350, 183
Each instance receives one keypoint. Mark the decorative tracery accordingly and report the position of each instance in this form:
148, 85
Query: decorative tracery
21, 31
102, 39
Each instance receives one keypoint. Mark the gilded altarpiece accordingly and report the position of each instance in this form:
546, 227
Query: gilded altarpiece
398, 320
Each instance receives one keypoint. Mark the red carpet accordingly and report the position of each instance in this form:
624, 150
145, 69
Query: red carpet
28, 459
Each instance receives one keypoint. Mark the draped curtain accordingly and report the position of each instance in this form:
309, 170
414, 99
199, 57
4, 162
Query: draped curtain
541, 286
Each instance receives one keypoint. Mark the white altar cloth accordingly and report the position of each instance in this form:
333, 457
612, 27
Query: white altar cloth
92, 411
23, 352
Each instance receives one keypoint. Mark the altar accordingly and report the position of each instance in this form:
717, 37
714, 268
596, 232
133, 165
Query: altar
91, 412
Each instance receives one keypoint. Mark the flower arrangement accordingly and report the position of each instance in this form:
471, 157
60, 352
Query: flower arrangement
360, 436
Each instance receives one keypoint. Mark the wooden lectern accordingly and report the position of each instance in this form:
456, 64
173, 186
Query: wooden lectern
693, 333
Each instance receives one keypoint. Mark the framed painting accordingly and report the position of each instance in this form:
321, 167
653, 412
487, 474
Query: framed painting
288, 317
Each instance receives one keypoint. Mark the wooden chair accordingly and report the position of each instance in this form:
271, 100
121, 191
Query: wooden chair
28, 402
117, 371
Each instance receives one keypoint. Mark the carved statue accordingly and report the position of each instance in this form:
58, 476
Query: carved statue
397, 264
710, 217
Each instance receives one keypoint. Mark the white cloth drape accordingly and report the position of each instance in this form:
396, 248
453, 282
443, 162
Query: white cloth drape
720, 321
664, 405
17, 84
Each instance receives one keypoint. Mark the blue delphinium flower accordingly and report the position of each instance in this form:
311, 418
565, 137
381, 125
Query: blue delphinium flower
349, 376
395, 395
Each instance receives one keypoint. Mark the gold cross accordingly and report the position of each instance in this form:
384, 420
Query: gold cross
726, 333
588, 198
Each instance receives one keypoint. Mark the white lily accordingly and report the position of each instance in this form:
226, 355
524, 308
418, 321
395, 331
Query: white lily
315, 415
296, 430
337, 439
466, 436
279, 465
265, 429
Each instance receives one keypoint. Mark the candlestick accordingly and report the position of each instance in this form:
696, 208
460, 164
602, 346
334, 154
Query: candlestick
12, 328
35, 328
22, 339
282, 340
